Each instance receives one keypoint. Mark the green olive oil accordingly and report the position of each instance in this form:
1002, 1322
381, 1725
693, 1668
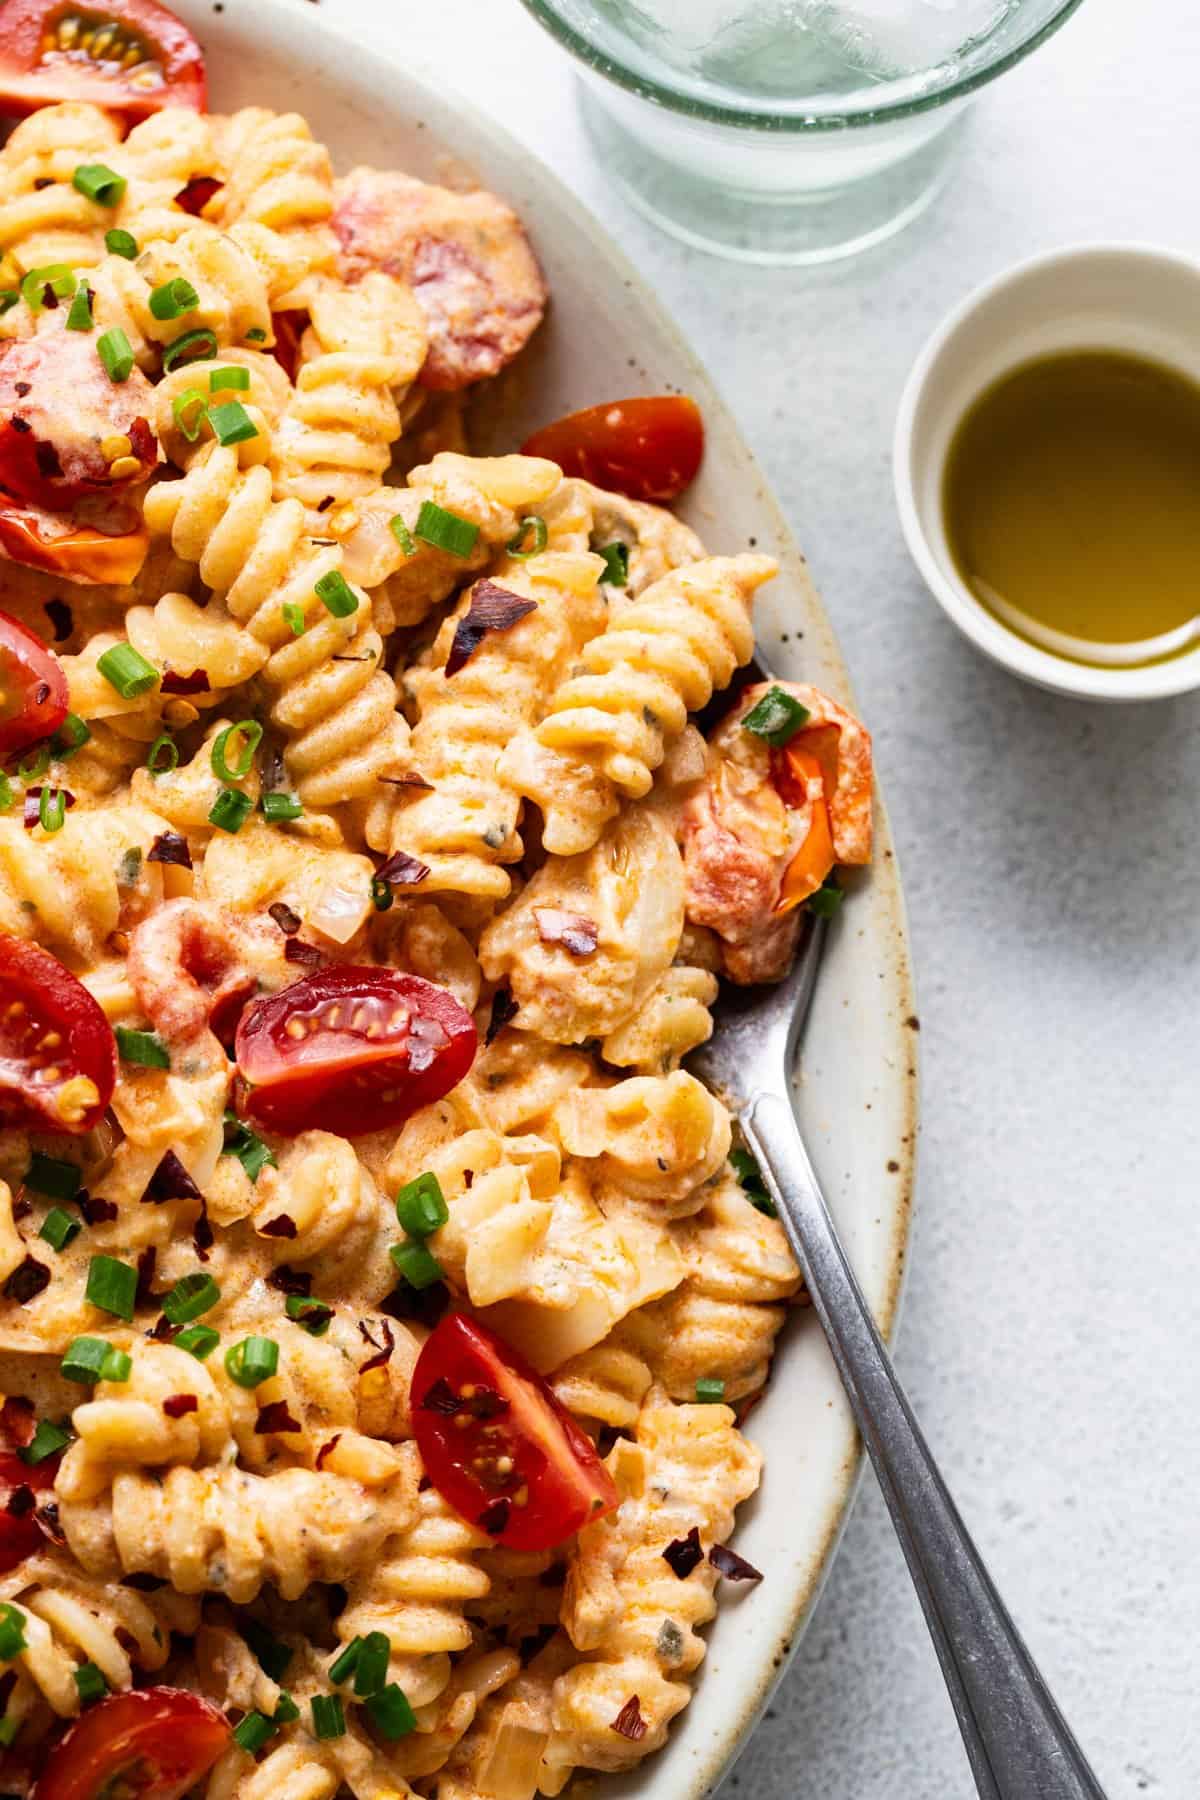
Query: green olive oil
1071, 503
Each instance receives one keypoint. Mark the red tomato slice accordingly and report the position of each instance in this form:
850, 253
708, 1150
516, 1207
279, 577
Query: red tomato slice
57, 408
350, 1050
54, 50
44, 540
33, 687
649, 448
497, 1444
58, 1056
153, 1744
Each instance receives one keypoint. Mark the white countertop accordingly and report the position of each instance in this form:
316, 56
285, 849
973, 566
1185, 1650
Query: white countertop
1051, 1337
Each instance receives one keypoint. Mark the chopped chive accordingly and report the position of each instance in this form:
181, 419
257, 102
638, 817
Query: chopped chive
83, 1360
252, 1361
58, 1228
445, 530
328, 1719
381, 894
278, 808
776, 718
235, 377
419, 1267
46, 1441
287, 1711
6, 794
116, 1366
231, 423
247, 1146
616, 564
127, 670
173, 298
293, 618
55, 276
250, 732
12, 1631
402, 535
421, 1206
314, 1315
826, 900
230, 810
48, 1175
90, 1683
52, 809
188, 410
256, 335
80, 316
112, 1286
121, 243
199, 1341
391, 1713
129, 867
273, 1656
540, 535
336, 595
345, 1663
32, 768
98, 183
145, 1049
163, 755
71, 736
372, 1667
193, 346
192, 1295
116, 353
254, 1731
8, 299
751, 1182
709, 1388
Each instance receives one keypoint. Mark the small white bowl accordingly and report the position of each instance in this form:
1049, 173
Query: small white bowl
1127, 297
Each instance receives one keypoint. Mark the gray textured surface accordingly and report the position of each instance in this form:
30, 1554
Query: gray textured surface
1051, 1336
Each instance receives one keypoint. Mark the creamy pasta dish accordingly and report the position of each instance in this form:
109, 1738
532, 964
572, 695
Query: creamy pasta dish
380, 1296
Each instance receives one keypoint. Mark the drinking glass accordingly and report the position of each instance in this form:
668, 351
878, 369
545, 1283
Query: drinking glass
787, 131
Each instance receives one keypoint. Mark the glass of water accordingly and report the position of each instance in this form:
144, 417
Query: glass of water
787, 131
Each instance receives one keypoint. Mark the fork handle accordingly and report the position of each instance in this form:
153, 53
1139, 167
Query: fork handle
1019, 1745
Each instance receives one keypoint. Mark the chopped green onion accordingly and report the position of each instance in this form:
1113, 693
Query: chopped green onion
371, 1670
419, 1267
32, 768
328, 1719
403, 535
80, 316
391, 1713
129, 867
247, 1146
235, 377
90, 1683
143, 1048
314, 1315
58, 1228
188, 410
192, 1295
116, 1366
256, 335
826, 900
46, 1441
381, 894
345, 1663
199, 1341
52, 809
127, 670
278, 808
616, 564
55, 276
540, 535
173, 298
250, 732
230, 810
287, 1711
98, 183
252, 1361
84, 1359
421, 1206
776, 718
116, 353
335, 593
121, 243
272, 1656
445, 530
709, 1388
293, 618
10, 1724
71, 736
231, 423
12, 1631
6, 794
751, 1182
8, 299
254, 1731
193, 346
163, 755
47, 1175
112, 1286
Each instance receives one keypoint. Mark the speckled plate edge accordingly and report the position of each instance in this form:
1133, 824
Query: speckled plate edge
857, 1089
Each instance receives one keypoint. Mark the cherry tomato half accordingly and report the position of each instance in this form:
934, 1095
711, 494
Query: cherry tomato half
44, 56
57, 409
649, 448
33, 687
76, 552
58, 1056
498, 1445
350, 1050
152, 1744
20, 1533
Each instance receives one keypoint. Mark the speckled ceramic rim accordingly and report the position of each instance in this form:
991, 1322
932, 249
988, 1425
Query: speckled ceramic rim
684, 1771
976, 332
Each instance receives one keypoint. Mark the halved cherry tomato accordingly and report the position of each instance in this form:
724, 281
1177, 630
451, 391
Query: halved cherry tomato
498, 1445
131, 56
800, 781
59, 413
20, 1533
33, 687
350, 1050
151, 1744
77, 552
649, 448
58, 1056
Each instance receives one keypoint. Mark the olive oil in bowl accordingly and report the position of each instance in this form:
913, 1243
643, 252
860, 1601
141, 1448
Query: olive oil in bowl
1071, 506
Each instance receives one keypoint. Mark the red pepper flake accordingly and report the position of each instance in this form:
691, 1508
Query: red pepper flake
403, 870
289, 922
142, 442
382, 1351
327, 1450
733, 1567
147, 1263
162, 1331
573, 931
176, 1405
20, 1502
629, 1721
290, 1281
170, 1181
202, 1232
494, 1516
504, 1010
684, 1553
280, 1227
94, 1209
33, 804
411, 778
170, 847
492, 608
17, 1421
275, 1417
175, 683
440, 1397
62, 620
297, 952
195, 195
27, 1281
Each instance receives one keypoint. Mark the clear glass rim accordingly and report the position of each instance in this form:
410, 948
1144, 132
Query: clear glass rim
547, 14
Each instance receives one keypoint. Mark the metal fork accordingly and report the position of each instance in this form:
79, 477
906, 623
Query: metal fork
1019, 1745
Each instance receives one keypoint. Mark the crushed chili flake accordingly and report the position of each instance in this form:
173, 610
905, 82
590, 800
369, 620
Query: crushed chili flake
629, 1721
195, 683
574, 931
411, 778
61, 619
289, 922
280, 1227
402, 870
296, 951
17, 1421
195, 194
170, 847
176, 1405
147, 1264
382, 1351
46, 1519
492, 608
170, 1181
733, 1567
202, 1232
275, 1417
162, 1331
327, 1449
94, 1209
504, 1011
440, 1398
27, 1281
291, 1281
494, 1516
416, 1306
20, 1502
684, 1553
